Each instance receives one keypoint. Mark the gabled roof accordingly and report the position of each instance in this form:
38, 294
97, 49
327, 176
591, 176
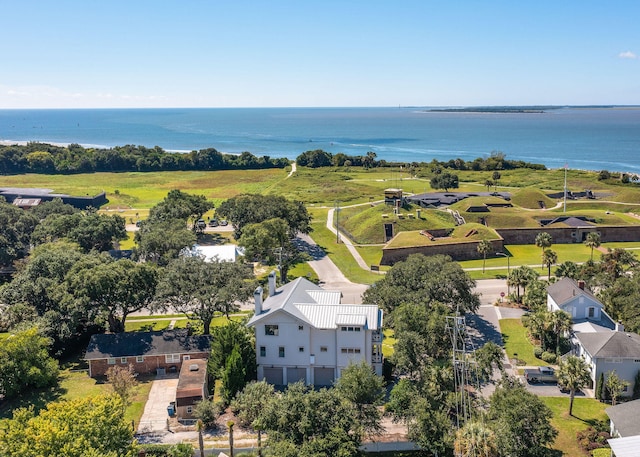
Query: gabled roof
611, 344
317, 307
626, 417
130, 344
566, 289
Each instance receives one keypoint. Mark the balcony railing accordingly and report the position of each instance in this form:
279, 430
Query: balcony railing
376, 358
376, 337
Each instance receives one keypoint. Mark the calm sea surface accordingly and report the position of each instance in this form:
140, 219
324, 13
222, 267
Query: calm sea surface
587, 138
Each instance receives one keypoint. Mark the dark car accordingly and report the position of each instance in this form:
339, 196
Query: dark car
213, 223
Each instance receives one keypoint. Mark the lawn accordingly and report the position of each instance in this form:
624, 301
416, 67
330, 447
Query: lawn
586, 412
516, 341
74, 384
339, 252
388, 342
157, 323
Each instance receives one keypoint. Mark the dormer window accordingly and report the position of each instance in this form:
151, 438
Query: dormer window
591, 312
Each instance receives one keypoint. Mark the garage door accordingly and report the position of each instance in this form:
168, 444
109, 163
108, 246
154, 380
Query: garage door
296, 374
323, 376
273, 376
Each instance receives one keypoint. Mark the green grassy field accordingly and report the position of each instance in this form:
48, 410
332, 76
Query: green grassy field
516, 341
586, 412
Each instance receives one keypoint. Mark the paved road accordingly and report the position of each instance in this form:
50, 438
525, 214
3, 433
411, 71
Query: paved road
329, 274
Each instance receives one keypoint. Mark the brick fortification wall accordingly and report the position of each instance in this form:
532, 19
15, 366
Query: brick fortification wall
564, 235
78, 202
468, 250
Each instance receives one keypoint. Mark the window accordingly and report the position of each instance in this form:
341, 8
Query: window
592, 311
186, 357
271, 330
189, 409
123, 360
350, 350
172, 358
140, 359
350, 329
263, 351
111, 361
300, 349
281, 351
301, 327
323, 349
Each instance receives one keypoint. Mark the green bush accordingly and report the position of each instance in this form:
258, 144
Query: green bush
549, 357
168, 450
537, 351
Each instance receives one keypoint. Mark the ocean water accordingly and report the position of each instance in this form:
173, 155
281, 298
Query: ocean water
585, 138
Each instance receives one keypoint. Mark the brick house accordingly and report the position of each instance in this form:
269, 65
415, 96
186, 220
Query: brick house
192, 387
147, 352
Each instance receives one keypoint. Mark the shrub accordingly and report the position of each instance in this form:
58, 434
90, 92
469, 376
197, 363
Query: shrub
592, 438
549, 357
168, 450
207, 411
538, 352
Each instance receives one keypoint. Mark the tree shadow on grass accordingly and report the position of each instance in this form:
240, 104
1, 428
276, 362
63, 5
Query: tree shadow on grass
37, 397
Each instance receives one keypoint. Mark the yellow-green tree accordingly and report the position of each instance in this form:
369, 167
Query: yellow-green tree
90, 426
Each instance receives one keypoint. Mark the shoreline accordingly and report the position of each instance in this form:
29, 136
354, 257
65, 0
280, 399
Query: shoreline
5, 142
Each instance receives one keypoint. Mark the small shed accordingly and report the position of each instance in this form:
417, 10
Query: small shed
192, 387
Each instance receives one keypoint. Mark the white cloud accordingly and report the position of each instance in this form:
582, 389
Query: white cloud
627, 55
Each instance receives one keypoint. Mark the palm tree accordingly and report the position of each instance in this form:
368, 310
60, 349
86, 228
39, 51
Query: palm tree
521, 277
484, 248
567, 269
496, 177
559, 323
543, 241
549, 258
489, 184
537, 324
593, 241
475, 439
200, 429
573, 374
615, 386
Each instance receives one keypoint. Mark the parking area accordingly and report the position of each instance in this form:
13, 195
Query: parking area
154, 417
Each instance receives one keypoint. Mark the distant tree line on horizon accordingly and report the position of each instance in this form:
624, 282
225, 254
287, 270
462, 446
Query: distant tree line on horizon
46, 158
496, 161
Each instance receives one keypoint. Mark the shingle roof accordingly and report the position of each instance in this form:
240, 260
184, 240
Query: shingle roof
626, 417
625, 447
566, 289
315, 306
130, 344
611, 344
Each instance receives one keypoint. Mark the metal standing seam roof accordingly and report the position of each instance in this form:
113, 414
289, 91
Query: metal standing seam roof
625, 447
315, 306
330, 316
626, 417
325, 297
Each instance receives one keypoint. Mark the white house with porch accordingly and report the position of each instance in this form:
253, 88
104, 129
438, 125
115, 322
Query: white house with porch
304, 333
595, 337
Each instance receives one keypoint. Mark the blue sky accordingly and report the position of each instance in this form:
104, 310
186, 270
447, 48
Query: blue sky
216, 53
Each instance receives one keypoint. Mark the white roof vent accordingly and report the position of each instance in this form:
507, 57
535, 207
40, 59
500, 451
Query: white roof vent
193, 367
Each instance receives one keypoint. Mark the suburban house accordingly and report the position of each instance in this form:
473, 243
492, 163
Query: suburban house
304, 333
192, 387
624, 421
147, 352
222, 253
603, 343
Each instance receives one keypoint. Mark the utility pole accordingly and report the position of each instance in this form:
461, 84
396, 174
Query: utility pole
565, 187
337, 209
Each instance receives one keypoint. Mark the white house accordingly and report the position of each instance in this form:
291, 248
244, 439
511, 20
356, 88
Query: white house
603, 343
304, 332
222, 253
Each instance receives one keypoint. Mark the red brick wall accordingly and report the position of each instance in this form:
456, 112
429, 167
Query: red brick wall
148, 366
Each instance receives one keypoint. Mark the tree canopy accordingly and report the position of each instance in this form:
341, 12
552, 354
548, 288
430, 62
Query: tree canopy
254, 208
16, 227
202, 288
444, 181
